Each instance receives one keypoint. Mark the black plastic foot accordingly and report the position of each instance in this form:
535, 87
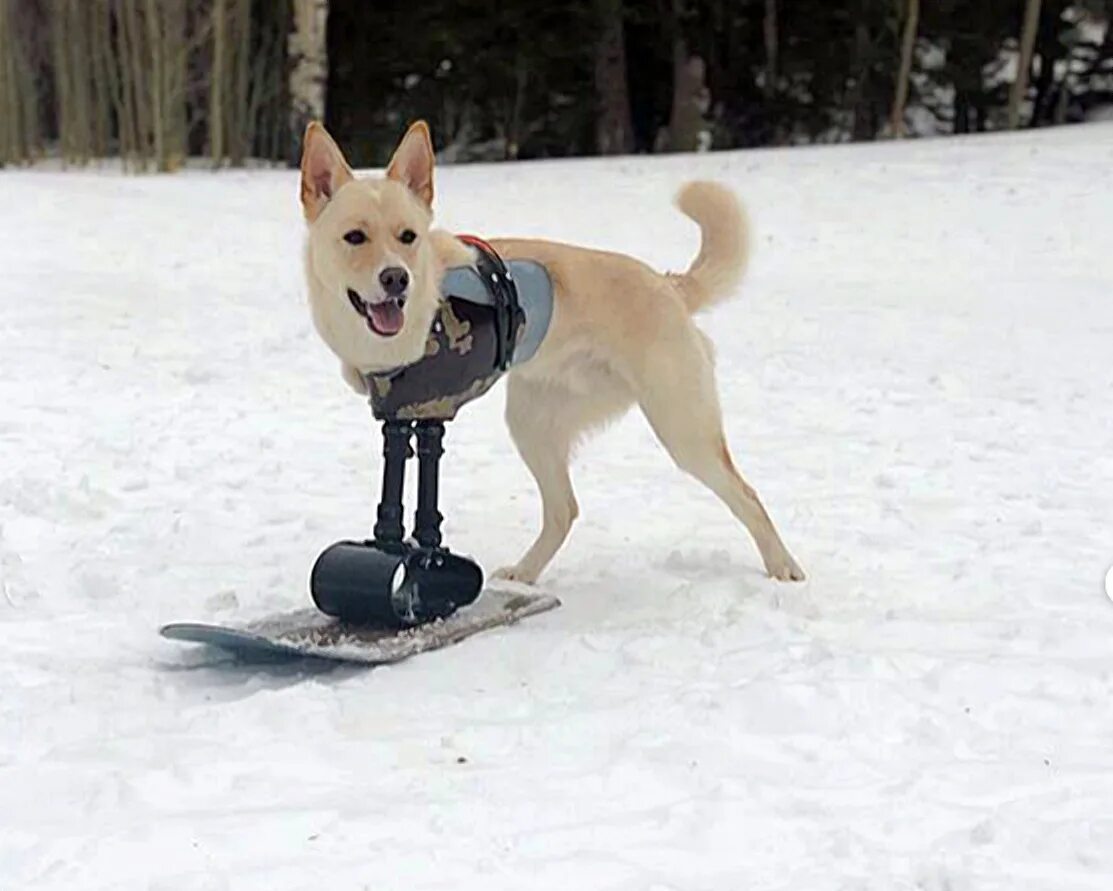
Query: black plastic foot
363, 582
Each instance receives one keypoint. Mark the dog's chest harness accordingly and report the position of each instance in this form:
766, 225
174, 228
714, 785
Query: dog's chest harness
494, 316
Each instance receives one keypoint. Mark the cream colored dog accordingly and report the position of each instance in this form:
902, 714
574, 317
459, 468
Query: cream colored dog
621, 333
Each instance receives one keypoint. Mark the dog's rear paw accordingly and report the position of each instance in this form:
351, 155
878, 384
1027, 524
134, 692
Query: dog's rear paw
785, 570
515, 574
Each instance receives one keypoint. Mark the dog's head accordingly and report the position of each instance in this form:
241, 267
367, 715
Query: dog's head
373, 265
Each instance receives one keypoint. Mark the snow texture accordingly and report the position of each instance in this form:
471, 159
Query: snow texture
918, 379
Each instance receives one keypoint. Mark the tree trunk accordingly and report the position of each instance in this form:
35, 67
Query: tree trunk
9, 97
77, 65
216, 84
863, 123
690, 97
59, 42
962, 112
1024, 61
907, 45
131, 134
308, 51
155, 79
240, 130
138, 74
769, 32
178, 47
100, 59
71, 57
614, 132
19, 96
514, 127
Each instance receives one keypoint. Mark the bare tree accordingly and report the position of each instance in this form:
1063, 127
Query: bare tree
245, 71
168, 50
690, 96
907, 47
82, 69
217, 88
102, 73
240, 121
137, 77
308, 52
614, 132
61, 33
20, 134
274, 84
1024, 61
135, 80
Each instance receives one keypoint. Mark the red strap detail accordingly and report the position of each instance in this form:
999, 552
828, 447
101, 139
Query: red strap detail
476, 241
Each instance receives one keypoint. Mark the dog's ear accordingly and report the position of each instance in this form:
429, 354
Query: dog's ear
412, 164
323, 170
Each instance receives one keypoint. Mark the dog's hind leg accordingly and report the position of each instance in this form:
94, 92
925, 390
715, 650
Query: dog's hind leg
545, 421
676, 391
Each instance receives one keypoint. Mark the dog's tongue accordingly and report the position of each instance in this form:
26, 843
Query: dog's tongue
387, 317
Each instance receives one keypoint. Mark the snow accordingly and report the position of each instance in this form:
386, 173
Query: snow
917, 380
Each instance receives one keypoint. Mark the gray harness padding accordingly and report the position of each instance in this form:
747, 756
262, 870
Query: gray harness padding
535, 296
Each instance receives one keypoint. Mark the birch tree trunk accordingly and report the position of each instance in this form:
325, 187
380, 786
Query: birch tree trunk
1024, 62
614, 132
308, 53
907, 46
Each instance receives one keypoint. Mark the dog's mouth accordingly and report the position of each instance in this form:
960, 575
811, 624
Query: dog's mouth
384, 318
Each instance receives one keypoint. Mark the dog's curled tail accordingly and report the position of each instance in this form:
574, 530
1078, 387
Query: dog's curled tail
724, 248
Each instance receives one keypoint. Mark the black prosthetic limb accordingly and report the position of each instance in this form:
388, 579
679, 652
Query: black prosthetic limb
427, 519
396, 450
388, 581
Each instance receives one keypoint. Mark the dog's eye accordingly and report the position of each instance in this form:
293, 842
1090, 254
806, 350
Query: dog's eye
356, 236
407, 236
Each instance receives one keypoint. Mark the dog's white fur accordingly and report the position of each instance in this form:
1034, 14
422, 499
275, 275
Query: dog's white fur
621, 333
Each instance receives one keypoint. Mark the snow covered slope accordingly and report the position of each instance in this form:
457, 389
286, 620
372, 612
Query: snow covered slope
918, 379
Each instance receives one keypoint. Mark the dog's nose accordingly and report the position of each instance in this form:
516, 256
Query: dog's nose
394, 280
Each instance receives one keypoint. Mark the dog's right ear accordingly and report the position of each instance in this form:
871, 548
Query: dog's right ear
323, 170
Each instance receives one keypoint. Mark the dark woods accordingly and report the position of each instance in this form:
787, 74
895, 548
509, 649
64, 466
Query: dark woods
504, 79
156, 81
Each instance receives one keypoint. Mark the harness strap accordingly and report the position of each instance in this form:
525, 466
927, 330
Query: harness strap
500, 283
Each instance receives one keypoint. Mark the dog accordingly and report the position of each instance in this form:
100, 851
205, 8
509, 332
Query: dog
621, 333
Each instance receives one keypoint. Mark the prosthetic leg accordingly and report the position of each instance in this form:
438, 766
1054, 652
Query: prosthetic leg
386, 580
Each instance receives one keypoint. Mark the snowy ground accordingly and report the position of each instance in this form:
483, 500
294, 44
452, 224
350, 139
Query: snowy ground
918, 378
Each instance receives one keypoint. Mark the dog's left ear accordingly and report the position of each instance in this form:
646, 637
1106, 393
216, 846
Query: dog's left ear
412, 164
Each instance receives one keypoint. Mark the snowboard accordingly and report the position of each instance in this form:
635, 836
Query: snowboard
308, 633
